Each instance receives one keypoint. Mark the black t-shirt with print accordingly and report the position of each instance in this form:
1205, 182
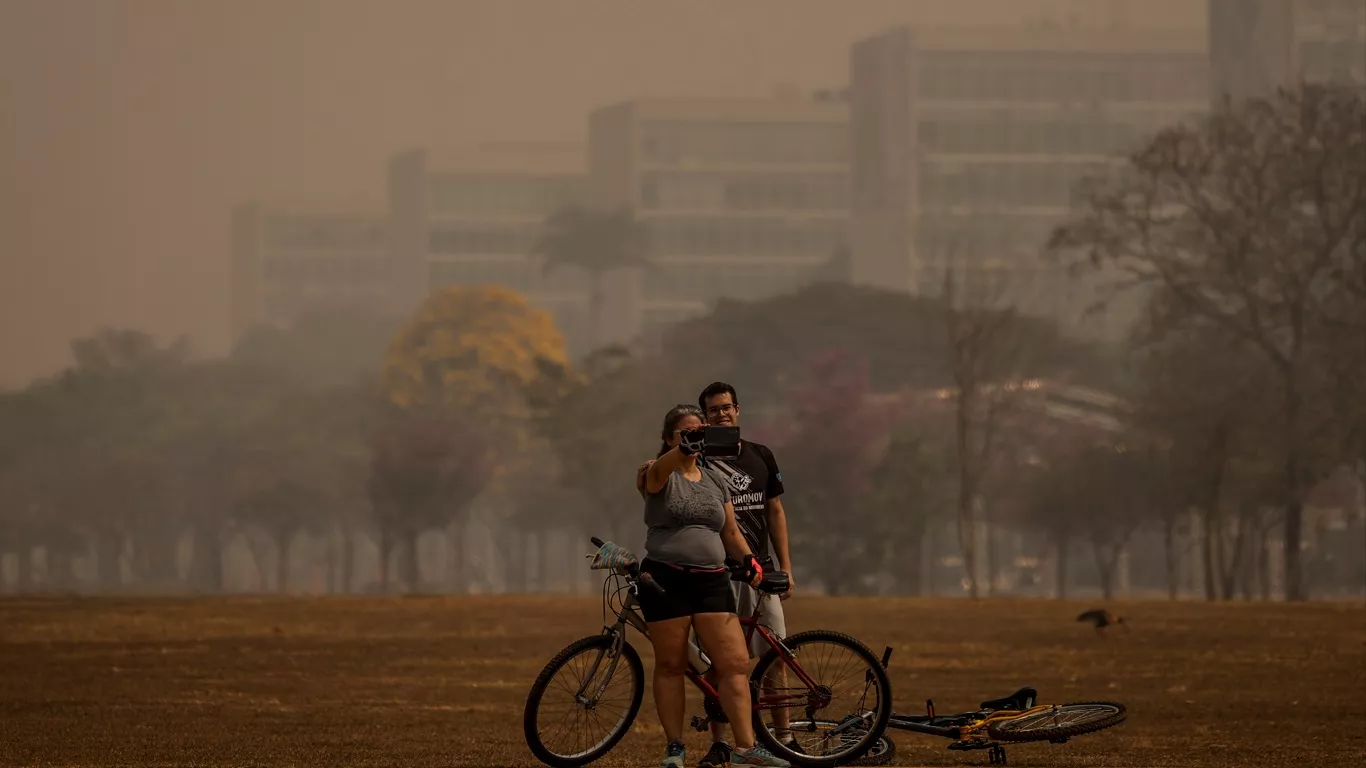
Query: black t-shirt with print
753, 478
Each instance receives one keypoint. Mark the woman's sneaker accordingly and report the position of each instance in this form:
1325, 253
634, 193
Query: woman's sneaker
717, 757
757, 755
790, 742
673, 755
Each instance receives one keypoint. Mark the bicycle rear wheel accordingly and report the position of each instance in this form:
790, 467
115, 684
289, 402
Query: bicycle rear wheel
835, 719
583, 702
880, 753
1059, 722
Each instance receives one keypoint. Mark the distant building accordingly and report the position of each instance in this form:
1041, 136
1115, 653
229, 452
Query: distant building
473, 217
968, 144
743, 199
288, 260
1256, 46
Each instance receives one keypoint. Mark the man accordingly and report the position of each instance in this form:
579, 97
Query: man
756, 487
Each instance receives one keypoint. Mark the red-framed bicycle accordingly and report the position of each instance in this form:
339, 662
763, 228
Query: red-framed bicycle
831, 691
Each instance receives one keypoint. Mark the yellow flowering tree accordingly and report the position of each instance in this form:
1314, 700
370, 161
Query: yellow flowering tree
471, 365
472, 347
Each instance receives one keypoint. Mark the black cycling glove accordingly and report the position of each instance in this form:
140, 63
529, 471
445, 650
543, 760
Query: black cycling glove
750, 569
692, 441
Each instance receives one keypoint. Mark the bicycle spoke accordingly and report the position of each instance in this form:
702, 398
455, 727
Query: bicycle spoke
1060, 718
1054, 722
835, 669
573, 716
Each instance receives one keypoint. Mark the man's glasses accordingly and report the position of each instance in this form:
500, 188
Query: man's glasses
717, 410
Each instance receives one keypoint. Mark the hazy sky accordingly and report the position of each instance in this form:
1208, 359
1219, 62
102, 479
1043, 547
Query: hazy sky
128, 128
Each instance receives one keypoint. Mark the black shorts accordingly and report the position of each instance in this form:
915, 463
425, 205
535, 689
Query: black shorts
684, 593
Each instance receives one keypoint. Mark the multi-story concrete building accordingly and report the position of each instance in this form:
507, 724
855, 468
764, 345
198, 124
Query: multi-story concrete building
1256, 46
1330, 40
289, 260
968, 144
742, 199
473, 217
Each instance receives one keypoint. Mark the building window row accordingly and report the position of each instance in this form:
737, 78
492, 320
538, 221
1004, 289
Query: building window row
974, 239
329, 270
323, 233
1342, 61
1333, 11
504, 194
744, 192
1062, 77
744, 143
757, 236
280, 306
708, 282
482, 238
519, 274
1006, 184
1003, 134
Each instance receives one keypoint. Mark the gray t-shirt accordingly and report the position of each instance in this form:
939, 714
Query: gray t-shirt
685, 520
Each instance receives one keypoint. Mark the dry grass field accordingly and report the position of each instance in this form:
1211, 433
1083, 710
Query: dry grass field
432, 681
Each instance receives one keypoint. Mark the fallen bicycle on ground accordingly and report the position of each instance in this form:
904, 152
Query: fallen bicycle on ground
1016, 718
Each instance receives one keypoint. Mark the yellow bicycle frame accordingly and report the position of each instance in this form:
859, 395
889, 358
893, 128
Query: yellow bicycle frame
1003, 714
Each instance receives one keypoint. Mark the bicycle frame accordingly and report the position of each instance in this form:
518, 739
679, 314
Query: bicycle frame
963, 724
765, 701
629, 615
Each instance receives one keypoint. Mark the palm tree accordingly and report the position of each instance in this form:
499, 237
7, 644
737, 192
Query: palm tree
597, 242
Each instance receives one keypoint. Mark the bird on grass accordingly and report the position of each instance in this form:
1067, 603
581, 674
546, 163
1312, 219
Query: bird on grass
1101, 618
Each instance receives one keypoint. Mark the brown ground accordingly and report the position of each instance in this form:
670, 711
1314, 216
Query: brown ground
429, 681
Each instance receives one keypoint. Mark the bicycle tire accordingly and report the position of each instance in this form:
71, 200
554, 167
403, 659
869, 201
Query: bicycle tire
874, 731
880, 753
530, 727
1001, 730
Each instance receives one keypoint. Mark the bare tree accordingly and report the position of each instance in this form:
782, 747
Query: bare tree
1201, 411
1116, 485
1243, 220
989, 351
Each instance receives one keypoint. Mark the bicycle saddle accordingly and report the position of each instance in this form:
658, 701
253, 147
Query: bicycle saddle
773, 583
1020, 700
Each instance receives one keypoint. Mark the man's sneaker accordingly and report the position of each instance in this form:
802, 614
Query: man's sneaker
757, 755
673, 755
717, 757
792, 744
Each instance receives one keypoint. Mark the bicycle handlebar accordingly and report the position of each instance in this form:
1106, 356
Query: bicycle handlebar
647, 580
634, 571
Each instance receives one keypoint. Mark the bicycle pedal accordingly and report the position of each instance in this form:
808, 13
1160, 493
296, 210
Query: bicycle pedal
712, 708
699, 723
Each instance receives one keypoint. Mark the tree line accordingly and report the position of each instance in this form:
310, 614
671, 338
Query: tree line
926, 441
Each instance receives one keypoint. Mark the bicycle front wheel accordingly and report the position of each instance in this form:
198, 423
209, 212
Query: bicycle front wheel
1058, 722
834, 700
583, 702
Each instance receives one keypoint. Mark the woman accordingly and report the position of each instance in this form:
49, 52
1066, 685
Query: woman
691, 530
